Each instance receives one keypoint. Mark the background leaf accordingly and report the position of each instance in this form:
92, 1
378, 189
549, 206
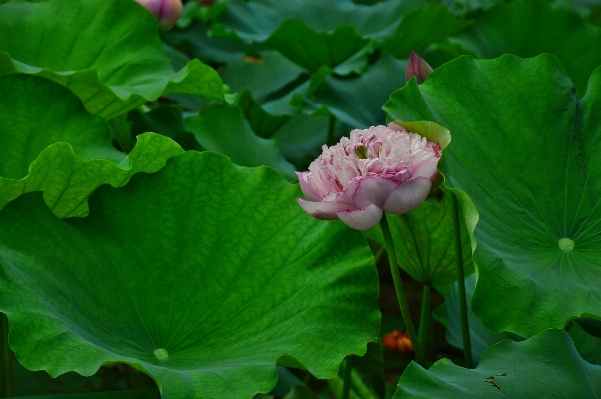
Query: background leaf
448, 314
202, 275
222, 128
257, 20
555, 30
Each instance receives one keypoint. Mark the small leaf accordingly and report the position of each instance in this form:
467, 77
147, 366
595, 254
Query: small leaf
544, 366
222, 128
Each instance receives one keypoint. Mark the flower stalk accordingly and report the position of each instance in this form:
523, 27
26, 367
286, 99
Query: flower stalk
346, 378
400, 292
6, 369
424, 320
461, 295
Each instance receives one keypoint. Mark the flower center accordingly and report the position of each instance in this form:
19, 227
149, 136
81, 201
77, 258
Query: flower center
161, 354
566, 245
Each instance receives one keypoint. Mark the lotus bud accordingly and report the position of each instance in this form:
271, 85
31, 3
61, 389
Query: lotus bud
376, 170
418, 67
165, 11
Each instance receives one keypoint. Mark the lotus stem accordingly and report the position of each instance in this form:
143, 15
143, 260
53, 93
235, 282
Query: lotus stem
7, 361
461, 295
400, 292
346, 378
424, 320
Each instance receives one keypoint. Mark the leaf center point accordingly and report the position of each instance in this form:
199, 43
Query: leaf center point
566, 245
161, 354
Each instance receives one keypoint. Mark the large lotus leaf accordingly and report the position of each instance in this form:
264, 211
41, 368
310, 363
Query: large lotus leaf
202, 275
420, 28
523, 151
448, 314
588, 345
527, 28
545, 366
256, 20
108, 52
222, 128
52, 144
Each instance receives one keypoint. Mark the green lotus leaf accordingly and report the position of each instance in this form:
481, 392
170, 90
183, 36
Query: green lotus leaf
52, 144
354, 101
462, 7
256, 20
196, 43
203, 275
222, 128
448, 314
544, 366
527, 28
264, 77
420, 28
262, 122
108, 52
311, 49
522, 151
425, 242
588, 346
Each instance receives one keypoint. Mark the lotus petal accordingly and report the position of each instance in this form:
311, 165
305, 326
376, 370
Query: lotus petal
324, 210
408, 196
369, 190
361, 219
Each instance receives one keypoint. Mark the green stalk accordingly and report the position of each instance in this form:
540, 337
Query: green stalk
424, 320
465, 328
346, 378
400, 292
7, 362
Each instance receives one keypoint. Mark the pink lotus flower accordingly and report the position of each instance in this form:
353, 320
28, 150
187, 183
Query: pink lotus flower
380, 169
165, 11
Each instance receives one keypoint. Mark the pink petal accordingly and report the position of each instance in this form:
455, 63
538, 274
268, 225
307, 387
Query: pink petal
428, 170
324, 210
361, 219
408, 196
305, 180
369, 190
395, 127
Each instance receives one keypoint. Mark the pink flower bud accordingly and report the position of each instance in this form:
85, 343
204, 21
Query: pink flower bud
165, 11
377, 170
418, 67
